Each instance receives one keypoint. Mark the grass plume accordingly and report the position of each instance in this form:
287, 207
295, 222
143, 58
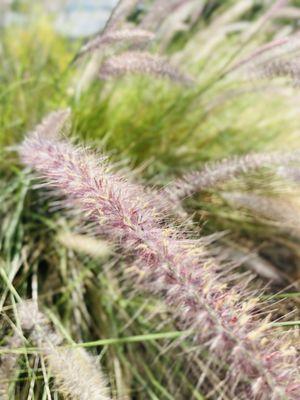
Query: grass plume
142, 63
115, 37
84, 244
53, 123
8, 365
119, 14
217, 173
77, 376
222, 318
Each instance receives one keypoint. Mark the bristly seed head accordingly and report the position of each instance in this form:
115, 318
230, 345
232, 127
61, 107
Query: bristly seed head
53, 124
122, 37
142, 63
77, 375
214, 174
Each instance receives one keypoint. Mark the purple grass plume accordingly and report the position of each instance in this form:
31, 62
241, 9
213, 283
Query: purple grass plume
255, 362
122, 36
142, 63
77, 375
214, 174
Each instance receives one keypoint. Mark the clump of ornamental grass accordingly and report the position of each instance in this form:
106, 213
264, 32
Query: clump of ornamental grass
216, 307
165, 131
76, 374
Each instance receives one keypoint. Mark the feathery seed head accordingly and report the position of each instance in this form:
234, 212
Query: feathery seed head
123, 36
219, 172
142, 63
76, 374
30, 315
53, 123
272, 50
8, 364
